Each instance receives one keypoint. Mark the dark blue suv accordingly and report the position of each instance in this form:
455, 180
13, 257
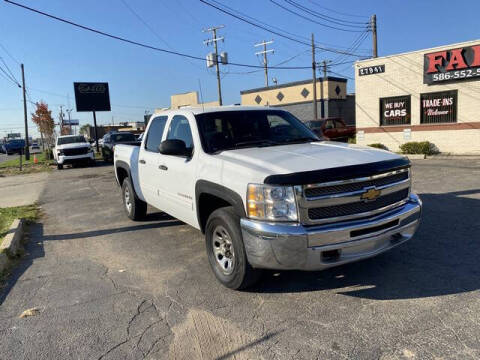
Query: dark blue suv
13, 146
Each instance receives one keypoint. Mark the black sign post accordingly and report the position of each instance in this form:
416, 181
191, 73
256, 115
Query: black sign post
92, 97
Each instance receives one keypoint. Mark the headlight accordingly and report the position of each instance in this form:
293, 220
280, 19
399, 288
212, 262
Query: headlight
267, 202
60, 152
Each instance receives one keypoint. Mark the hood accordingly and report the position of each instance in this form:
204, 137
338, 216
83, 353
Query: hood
73, 145
287, 159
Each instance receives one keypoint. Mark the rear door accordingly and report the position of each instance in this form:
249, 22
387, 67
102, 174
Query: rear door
179, 187
150, 176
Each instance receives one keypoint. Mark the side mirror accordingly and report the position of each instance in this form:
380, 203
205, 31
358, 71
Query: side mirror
174, 147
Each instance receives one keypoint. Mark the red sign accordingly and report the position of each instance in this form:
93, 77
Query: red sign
453, 64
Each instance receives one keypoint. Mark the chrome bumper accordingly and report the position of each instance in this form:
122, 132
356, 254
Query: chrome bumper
297, 247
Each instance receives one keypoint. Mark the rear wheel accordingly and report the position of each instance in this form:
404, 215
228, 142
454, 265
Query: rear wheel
226, 252
135, 208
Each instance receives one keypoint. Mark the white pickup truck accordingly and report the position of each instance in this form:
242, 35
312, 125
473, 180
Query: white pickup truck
72, 149
266, 191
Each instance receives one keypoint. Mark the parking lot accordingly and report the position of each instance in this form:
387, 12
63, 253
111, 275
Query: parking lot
110, 288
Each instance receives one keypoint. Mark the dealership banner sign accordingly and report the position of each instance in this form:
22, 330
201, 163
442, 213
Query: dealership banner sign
438, 107
395, 110
454, 64
92, 96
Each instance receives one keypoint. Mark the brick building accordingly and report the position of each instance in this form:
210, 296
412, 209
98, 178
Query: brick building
426, 95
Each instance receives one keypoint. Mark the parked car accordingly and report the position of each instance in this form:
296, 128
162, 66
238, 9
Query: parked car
111, 140
34, 146
72, 149
13, 146
333, 129
266, 191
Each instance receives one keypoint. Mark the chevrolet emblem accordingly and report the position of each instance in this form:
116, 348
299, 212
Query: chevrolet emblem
370, 195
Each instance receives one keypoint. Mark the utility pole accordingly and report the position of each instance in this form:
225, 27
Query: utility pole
314, 67
61, 119
322, 96
69, 111
264, 53
214, 40
373, 24
27, 145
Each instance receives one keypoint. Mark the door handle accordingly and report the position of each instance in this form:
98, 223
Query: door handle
142, 161
163, 167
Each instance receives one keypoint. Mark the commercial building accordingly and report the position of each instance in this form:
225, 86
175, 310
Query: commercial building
178, 101
426, 95
297, 98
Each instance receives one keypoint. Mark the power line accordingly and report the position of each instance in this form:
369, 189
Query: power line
317, 22
8, 69
271, 31
337, 12
8, 77
326, 17
136, 42
9, 54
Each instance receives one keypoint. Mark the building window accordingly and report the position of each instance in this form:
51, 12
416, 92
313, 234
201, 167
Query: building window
438, 107
395, 110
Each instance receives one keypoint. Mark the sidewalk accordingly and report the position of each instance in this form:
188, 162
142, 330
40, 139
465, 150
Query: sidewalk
21, 189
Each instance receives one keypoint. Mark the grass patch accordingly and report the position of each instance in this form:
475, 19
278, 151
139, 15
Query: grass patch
16, 162
12, 167
29, 212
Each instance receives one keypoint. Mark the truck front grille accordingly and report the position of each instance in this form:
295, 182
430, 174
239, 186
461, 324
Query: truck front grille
351, 199
354, 186
75, 151
356, 207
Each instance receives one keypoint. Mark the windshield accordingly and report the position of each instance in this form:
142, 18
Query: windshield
123, 137
70, 140
226, 130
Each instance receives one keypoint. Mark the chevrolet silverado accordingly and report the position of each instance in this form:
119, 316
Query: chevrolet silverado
266, 191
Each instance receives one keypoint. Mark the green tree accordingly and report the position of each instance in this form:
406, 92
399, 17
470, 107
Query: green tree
85, 130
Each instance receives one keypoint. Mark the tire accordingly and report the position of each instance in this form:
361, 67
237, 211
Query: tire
224, 225
135, 208
59, 166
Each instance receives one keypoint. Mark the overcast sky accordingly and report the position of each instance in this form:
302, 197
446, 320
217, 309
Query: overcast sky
55, 54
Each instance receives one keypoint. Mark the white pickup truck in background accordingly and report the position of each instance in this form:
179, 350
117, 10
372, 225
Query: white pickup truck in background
267, 193
72, 149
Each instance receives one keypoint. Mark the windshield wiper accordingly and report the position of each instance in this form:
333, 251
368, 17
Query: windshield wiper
300, 140
257, 143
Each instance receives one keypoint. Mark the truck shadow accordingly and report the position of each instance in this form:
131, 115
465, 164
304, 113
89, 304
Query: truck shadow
442, 258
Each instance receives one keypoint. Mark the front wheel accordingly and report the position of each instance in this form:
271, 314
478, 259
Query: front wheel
135, 208
226, 252
59, 166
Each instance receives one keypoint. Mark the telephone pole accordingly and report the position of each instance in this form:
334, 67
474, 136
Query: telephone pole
322, 96
214, 40
264, 53
27, 145
314, 71
373, 24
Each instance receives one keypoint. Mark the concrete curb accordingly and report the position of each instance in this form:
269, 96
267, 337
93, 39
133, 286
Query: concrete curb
415, 156
11, 243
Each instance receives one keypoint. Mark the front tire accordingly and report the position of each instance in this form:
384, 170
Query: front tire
59, 166
226, 252
135, 208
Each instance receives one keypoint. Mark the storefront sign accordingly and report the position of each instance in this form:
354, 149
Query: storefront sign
71, 122
395, 110
377, 69
453, 64
438, 107
92, 96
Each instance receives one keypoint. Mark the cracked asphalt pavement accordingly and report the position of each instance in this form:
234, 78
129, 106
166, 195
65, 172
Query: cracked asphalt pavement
109, 288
